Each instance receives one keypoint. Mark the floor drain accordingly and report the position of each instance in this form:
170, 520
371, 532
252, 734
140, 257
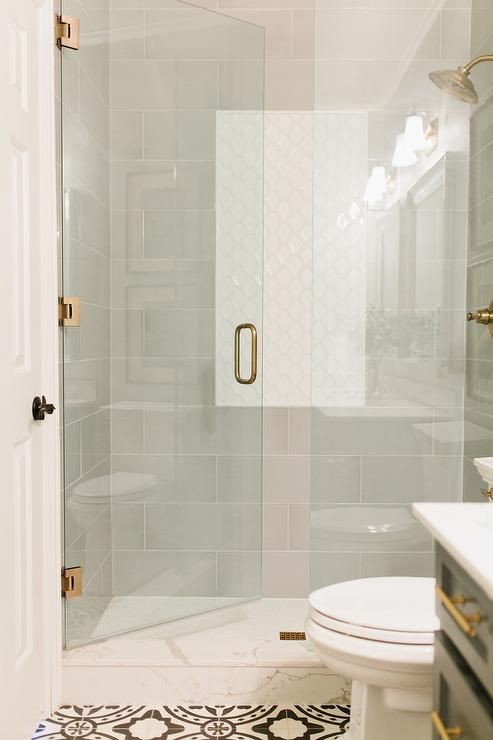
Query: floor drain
292, 636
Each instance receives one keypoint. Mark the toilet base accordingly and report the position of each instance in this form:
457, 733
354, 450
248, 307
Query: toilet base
387, 714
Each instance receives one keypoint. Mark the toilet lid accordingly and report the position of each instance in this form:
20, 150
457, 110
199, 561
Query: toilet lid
400, 610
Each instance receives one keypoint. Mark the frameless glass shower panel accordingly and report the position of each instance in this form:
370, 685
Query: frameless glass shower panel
163, 150
390, 199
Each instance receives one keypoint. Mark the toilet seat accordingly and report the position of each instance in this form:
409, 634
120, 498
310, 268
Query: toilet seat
400, 611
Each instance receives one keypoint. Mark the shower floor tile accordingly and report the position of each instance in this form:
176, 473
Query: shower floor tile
241, 722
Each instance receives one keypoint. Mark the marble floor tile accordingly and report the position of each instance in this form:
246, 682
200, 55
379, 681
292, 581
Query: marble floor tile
196, 722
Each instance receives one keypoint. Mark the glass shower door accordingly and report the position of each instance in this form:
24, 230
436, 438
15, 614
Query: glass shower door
162, 172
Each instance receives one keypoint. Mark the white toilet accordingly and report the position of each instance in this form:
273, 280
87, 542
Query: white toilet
379, 632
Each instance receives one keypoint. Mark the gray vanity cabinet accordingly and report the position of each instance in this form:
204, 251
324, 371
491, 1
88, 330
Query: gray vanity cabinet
463, 670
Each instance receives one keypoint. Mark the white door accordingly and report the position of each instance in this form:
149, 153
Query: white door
27, 367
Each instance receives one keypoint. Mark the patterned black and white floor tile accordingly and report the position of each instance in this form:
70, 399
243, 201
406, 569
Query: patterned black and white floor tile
241, 722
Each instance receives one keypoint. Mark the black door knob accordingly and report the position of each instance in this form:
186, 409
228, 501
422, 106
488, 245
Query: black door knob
40, 408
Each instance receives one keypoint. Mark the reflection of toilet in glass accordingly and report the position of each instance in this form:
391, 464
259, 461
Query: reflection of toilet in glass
379, 632
106, 489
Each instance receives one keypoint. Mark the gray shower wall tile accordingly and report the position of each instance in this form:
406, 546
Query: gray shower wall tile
414, 564
327, 568
127, 234
93, 113
92, 340
286, 478
275, 430
86, 218
225, 38
366, 528
473, 483
159, 284
170, 381
299, 535
275, 524
72, 452
481, 228
87, 273
180, 135
180, 333
170, 478
238, 574
203, 526
285, 574
127, 526
180, 234
162, 185
206, 430
92, 548
421, 382
335, 479
407, 479
127, 33
448, 431
85, 388
184, 333
241, 84
95, 439
127, 430
239, 478
161, 573
84, 161
127, 135
154, 84
85, 501
384, 431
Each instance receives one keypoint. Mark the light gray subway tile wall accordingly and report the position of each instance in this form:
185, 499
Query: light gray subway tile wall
394, 431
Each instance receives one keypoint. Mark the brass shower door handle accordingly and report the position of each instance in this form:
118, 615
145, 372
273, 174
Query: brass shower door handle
253, 367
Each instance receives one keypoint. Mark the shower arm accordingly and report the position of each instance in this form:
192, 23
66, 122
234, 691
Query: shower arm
466, 69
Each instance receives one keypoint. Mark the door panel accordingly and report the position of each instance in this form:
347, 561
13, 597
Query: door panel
163, 196
26, 510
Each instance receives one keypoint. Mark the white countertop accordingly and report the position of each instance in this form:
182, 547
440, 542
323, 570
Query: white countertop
466, 532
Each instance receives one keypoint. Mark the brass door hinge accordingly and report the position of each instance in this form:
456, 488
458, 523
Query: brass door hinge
72, 582
67, 31
69, 311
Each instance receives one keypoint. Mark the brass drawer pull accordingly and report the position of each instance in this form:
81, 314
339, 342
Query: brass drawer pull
464, 622
445, 732
253, 370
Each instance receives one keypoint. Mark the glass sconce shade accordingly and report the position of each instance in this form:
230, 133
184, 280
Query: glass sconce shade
404, 156
415, 133
376, 186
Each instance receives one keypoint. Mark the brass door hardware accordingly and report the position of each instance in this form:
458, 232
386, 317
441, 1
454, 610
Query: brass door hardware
72, 582
253, 366
69, 311
292, 636
67, 31
482, 316
445, 733
40, 408
487, 493
464, 621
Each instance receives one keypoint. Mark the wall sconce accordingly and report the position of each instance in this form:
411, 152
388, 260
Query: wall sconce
376, 186
414, 133
404, 156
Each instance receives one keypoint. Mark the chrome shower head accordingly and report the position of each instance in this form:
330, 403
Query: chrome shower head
456, 82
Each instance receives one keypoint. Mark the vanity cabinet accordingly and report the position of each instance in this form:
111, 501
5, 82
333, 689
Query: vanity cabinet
463, 671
